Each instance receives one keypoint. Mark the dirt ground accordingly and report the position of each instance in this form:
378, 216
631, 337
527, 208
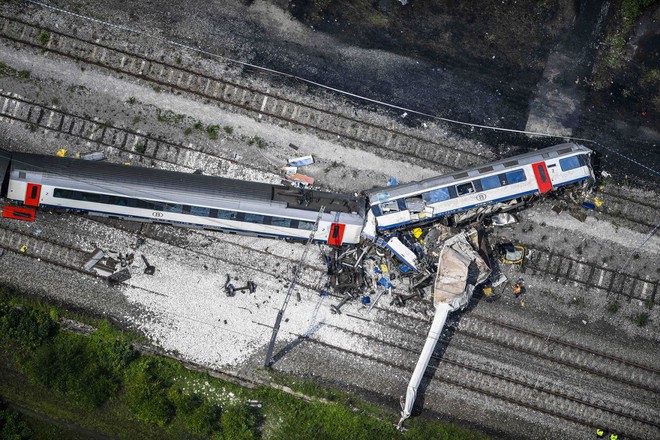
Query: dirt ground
482, 62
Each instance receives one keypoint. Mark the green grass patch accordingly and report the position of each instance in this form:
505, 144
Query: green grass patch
213, 130
102, 385
44, 38
641, 319
228, 129
140, 148
613, 307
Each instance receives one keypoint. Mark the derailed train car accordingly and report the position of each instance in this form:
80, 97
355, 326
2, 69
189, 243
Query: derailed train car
235, 206
189, 200
482, 190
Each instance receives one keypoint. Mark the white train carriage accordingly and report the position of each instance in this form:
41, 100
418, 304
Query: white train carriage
488, 188
182, 199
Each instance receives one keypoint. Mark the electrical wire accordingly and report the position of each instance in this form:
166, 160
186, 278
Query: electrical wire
339, 91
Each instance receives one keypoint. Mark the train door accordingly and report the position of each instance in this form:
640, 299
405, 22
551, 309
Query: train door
336, 234
32, 194
542, 177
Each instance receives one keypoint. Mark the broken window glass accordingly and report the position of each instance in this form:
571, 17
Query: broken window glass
415, 204
392, 206
465, 188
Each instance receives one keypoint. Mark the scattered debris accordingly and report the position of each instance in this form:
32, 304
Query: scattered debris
295, 147
300, 161
92, 259
300, 178
230, 289
503, 219
119, 277
149, 270
96, 156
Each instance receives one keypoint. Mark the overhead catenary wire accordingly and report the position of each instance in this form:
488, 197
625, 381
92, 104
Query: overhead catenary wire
280, 314
337, 90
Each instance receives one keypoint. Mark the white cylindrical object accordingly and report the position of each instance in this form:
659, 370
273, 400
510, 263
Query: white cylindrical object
441, 312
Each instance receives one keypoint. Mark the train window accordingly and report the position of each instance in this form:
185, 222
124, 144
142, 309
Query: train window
515, 177
92, 197
57, 192
564, 151
464, 188
490, 182
485, 169
114, 200
309, 226
511, 163
452, 192
200, 211
21, 175
34, 191
437, 195
391, 206
460, 176
171, 207
76, 195
228, 215
254, 218
279, 221
569, 163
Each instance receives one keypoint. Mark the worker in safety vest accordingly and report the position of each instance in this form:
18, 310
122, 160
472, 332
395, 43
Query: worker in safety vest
614, 437
600, 433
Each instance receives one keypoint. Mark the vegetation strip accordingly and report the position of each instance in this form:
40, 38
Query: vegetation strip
103, 376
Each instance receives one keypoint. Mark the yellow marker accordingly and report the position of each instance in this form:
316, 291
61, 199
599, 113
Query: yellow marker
488, 291
128, 164
598, 202
383, 268
24, 248
417, 232
61, 153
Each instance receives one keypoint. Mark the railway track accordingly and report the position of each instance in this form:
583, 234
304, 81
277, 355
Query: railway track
17, 108
500, 382
546, 398
45, 250
237, 95
612, 281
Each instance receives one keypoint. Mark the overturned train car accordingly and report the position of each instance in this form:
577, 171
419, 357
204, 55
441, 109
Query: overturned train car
189, 200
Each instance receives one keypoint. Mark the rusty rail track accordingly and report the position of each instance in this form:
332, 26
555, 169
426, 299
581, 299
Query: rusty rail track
248, 99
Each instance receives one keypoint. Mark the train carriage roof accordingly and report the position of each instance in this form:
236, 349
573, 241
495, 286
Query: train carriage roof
381, 195
187, 188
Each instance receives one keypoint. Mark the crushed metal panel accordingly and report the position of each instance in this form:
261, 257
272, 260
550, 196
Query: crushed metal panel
92, 258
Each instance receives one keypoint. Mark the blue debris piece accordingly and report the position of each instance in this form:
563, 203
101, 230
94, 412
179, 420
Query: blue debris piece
588, 205
325, 293
383, 282
404, 269
392, 181
365, 300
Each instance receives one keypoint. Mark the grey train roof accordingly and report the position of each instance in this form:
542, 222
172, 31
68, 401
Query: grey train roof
380, 195
173, 186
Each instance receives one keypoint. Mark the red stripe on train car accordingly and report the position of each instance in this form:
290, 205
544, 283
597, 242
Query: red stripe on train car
19, 213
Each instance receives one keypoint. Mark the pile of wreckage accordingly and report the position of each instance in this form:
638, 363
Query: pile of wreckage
409, 264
